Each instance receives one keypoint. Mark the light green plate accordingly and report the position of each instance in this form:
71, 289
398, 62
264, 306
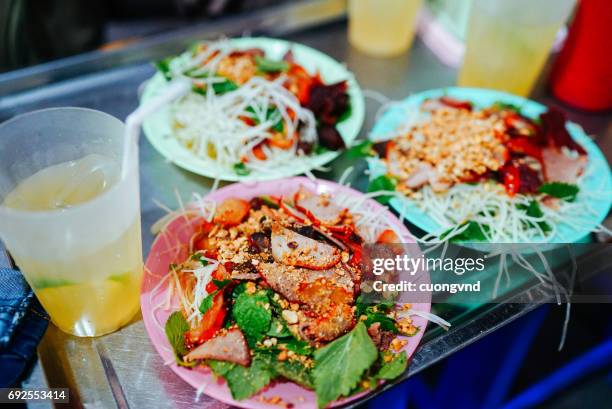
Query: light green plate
158, 130
597, 175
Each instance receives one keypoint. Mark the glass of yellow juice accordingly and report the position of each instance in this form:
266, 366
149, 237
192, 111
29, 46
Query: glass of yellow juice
382, 28
508, 42
70, 218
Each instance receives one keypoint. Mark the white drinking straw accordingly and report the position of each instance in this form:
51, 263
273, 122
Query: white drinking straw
174, 90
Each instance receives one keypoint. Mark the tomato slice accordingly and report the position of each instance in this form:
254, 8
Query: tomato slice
231, 212
388, 237
280, 141
525, 146
258, 152
211, 322
511, 179
455, 103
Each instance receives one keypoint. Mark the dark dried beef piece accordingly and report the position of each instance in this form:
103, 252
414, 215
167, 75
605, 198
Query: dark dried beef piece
529, 179
381, 148
328, 102
555, 133
330, 138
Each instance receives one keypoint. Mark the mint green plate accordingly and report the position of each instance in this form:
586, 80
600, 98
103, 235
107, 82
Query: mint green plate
597, 176
158, 130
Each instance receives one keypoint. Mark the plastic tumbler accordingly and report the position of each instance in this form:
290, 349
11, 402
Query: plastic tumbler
382, 28
70, 218
508, 42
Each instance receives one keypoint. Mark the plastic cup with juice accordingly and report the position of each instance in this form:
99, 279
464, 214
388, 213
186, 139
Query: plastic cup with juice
70, 219
508, 42
382, 28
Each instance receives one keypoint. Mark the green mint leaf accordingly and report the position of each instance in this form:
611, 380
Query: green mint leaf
207, 302
252, 314
563, 191
394, 368
295, 371
361, 150
474, 232
175, 329
242, 381
267, 65
382, 182
340, 364
298, 346
534, 210
241, 169
376, 313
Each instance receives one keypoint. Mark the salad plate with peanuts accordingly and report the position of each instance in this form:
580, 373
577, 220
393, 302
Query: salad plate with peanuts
258, 109
252, 294
476, 165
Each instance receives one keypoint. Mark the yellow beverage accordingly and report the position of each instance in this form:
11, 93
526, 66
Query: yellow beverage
92, 287
508, 43
382, 28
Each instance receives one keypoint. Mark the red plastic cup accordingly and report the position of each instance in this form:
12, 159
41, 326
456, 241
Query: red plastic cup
582, 75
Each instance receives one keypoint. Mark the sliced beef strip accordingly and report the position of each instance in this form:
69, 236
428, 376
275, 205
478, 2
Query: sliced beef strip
293, 249
229, 346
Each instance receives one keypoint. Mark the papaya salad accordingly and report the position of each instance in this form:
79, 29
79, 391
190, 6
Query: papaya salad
248, 112
490, 174
271, 293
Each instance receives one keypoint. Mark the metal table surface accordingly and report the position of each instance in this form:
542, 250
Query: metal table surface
122, 369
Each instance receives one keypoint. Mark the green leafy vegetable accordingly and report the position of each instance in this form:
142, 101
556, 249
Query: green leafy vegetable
474, 232
175, 329
220, 284
218, 87
295, 371
241, 169
534, 210
278, 329
340, 364
207, 302
383, 182
193, 73
297, 346
346, 114
376, 313
503, 105
271, 113
245, 382
252, 314
267, 65
394, 368
225, 86
564, 191
361, 150
163, 66
200, 258
320, 149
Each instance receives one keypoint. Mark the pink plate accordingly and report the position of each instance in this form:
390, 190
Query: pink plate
170, 247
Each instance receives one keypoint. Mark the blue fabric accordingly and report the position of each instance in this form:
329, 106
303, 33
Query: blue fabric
22, 324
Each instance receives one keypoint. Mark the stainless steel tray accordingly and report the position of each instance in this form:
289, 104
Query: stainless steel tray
122, 369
